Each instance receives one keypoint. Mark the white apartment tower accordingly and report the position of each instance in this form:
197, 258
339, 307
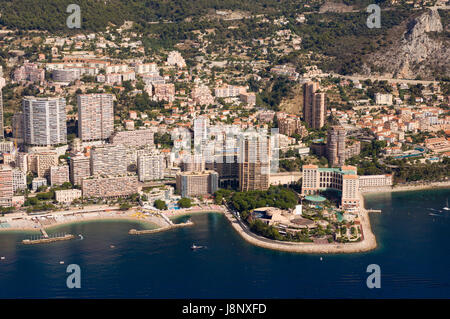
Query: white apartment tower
150, 167
44, 121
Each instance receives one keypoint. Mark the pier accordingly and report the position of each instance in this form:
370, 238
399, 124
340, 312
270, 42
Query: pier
373, 210
161, 229
47, 239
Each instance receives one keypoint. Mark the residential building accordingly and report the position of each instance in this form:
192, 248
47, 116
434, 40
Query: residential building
6, 186
150, 167
44, 121
80, 167
95, 116
338, 148
383, 99
41, 162
67, 196
314, 109
38, 182
254, 162
109, 187
19, 180
190, 184
135, 138
108, 160
59, 175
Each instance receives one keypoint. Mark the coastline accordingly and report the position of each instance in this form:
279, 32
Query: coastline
34, 227
366, 244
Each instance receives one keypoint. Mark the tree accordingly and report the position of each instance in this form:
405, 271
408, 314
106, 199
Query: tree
185, 202
160, 204
125, 206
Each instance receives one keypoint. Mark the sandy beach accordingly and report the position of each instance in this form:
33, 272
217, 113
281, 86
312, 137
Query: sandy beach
26, 223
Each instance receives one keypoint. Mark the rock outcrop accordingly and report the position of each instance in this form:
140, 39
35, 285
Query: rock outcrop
418, 52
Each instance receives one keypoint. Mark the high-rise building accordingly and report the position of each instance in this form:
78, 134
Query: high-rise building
95, 116
19, 180
319, 111
108, 160
254, 162
338, 148
150, 167
6, 186
2, 130
80, 167
197, 183
314, 110
17, 127
44, 121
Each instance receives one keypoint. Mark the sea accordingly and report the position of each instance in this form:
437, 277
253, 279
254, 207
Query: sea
413, 255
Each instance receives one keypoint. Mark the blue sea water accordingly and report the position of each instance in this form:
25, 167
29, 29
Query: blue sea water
413, 254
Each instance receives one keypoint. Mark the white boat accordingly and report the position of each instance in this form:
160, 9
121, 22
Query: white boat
194, 247
446, 206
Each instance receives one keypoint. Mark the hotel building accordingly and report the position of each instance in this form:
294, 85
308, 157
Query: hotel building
344, 180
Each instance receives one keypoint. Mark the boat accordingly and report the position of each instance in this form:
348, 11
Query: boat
61, 262
446, 206
431, 214
194, 247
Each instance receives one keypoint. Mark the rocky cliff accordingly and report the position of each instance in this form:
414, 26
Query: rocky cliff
420, 51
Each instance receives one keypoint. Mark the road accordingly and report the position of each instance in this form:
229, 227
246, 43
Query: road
379, 78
